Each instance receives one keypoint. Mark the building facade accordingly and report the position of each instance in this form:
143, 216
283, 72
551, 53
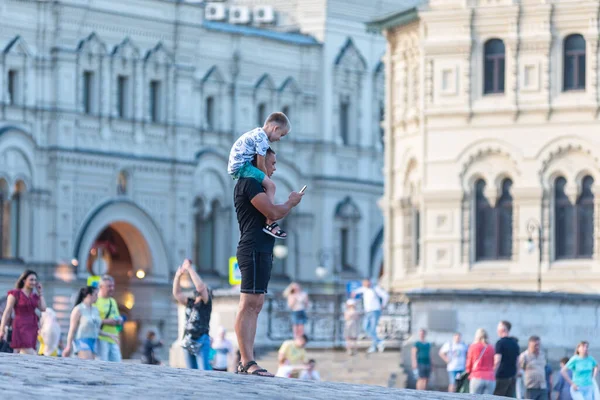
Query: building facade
491, 142
116, 122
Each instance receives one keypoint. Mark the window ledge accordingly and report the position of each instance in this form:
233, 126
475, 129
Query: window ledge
577, 263
502, 264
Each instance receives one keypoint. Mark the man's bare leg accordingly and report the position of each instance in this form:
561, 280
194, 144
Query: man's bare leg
245, 326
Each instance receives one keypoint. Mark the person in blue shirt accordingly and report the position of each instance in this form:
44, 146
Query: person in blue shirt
562, 387
584, 368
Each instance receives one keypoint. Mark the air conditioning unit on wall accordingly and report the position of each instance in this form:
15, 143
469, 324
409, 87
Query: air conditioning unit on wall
215, 12
239, 15
264, 14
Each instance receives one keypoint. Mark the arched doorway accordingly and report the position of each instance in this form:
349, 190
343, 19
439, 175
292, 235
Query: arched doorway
121, 240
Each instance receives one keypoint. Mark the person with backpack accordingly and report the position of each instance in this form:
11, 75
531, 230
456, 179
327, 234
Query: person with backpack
454, 354
374, 300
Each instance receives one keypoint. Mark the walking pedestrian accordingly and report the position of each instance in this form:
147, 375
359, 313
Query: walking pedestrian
84, 327
374, 300
351, 328
25, 299
224, 351
584, 368
454, 354
198, 308
112, 322
421, 360
562, 386
297, 301
480, 364
505, 361
533, 363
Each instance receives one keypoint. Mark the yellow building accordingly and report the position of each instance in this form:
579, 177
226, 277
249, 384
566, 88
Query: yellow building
491, 143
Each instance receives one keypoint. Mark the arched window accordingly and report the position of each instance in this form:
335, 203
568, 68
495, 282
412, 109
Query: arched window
381, 122
494, 66
347, 217
493, 224
205, 226
11, 222
286, 111
4, 220
574, 224
345, 118
261, 114
210, 112
122, 181
574, 63
585, 219
416, 236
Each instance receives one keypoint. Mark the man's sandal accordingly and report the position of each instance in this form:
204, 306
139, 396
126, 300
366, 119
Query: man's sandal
272, 230
243, 369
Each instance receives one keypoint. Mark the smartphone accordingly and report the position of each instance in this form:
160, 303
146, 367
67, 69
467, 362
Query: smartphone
303, 189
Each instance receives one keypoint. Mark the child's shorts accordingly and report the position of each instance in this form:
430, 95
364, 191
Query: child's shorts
249, 171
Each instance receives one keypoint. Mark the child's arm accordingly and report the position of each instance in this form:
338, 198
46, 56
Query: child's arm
261, 163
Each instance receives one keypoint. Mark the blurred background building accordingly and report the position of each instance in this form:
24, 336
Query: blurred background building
116, 121
491, 165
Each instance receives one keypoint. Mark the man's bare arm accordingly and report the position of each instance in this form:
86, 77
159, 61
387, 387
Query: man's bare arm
272, 211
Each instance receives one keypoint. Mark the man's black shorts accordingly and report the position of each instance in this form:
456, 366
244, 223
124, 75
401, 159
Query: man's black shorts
256, 271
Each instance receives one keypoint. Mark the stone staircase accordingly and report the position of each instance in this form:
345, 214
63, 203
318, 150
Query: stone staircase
381, 369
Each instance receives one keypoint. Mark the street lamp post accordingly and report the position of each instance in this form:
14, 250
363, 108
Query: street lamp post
532, 226
324, 255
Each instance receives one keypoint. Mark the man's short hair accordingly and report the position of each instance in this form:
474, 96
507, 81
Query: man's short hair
534, 338
279, 119
305, 338
269, 151
507, 325
107, 278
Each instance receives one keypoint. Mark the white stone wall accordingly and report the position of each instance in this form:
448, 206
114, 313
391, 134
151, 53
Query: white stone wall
69, 161
443, 133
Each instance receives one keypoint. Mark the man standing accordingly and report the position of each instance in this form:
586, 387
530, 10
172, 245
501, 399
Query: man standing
255, 258
505, 362
374, 299
533, 363
454, 354
421, 360
108, 349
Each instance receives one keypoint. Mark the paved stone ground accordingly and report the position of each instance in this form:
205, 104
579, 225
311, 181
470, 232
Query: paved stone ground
34, 377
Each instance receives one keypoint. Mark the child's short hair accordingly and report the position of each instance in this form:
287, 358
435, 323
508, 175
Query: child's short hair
150, 335
280, 119
564, 360
312, 361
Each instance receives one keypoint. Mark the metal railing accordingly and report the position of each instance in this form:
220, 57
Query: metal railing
326, 318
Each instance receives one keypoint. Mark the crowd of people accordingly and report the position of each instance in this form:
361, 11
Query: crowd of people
503, 370
95, 325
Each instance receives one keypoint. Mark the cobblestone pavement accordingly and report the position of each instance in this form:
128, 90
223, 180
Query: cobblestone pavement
35, 377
